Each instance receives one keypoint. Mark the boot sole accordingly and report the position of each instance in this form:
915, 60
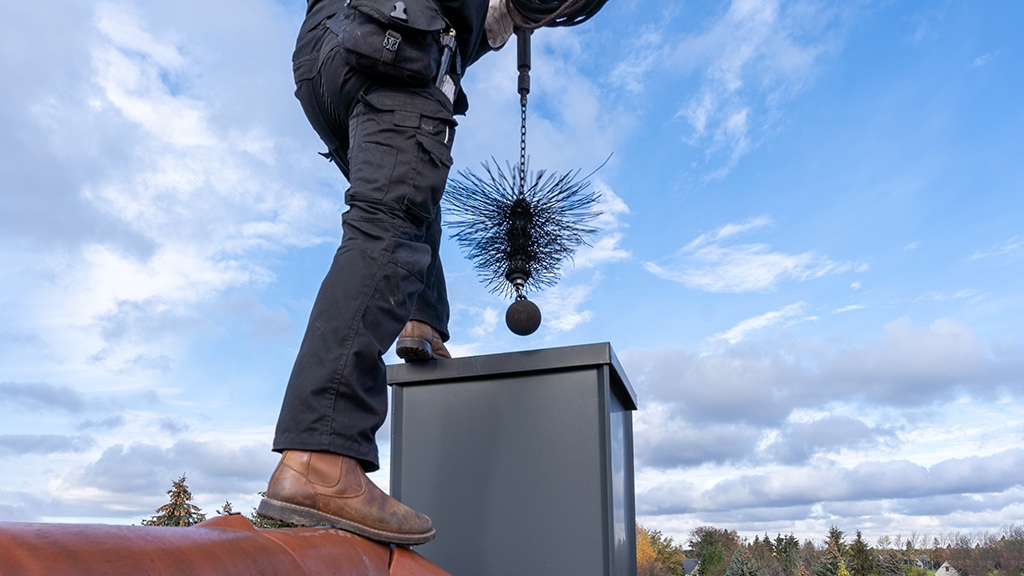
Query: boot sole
414, 350
302, 516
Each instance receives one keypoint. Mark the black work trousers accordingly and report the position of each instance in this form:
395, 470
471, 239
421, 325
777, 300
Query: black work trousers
394, 146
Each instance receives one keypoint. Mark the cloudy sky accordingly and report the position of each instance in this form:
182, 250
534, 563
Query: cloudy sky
811, 256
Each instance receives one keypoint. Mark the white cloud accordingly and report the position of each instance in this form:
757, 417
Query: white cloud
662, 440
647, 51
878, 496
729, 230
708, 264
1005, 249
121, 25
560, 306
200, 204
131, 82
752, 60
41, 395
43, 444
131, 479
741, 330
488, 322
983, 60
797, 442
731, 426
606, 248
765, 380
874, 480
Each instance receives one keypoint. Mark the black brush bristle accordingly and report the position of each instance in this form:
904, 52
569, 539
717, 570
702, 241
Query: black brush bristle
529, 231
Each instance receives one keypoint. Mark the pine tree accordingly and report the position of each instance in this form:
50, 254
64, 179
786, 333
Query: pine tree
831, 563
742, 564
179, 511
786, 549
842, 569
890, 565
862, 563
836, 540
762, 553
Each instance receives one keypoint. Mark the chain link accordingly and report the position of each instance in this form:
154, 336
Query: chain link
522, 149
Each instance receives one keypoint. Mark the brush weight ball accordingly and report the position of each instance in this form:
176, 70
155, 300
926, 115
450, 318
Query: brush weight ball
523, 317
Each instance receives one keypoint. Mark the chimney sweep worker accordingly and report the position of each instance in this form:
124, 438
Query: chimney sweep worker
380, 83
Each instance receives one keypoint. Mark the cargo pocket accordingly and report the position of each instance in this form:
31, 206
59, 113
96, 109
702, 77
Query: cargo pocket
371, 168
435, 162
403, 152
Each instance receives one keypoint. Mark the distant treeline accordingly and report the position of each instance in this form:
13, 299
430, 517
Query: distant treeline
719, 552
181, 512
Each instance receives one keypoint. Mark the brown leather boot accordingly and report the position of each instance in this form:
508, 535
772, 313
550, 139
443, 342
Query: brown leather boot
419, 342
313, 488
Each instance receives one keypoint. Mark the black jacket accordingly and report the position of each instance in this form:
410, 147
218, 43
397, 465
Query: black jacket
466, 16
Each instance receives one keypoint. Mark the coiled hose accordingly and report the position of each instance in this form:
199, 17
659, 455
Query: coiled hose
533, 14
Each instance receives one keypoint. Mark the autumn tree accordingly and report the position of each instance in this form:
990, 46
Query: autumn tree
647, 563
808, 557
179, 511
762, 552
939, 553
973, 554
1010, 551
669, 553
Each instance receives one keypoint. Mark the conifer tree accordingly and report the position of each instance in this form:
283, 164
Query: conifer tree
179, 511
830, 563
742, 564
786, 549
842, 569
862, 562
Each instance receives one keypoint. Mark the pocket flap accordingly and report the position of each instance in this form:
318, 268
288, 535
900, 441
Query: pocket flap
408, 101
438, 150
418, 14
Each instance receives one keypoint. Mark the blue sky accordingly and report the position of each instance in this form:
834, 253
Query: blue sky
810, 256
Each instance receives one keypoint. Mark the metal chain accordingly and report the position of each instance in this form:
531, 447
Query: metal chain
522, 149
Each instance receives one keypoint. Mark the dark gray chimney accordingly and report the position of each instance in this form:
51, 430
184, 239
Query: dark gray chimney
524, 461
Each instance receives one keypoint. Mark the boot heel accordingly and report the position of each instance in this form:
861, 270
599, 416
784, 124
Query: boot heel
414, 350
